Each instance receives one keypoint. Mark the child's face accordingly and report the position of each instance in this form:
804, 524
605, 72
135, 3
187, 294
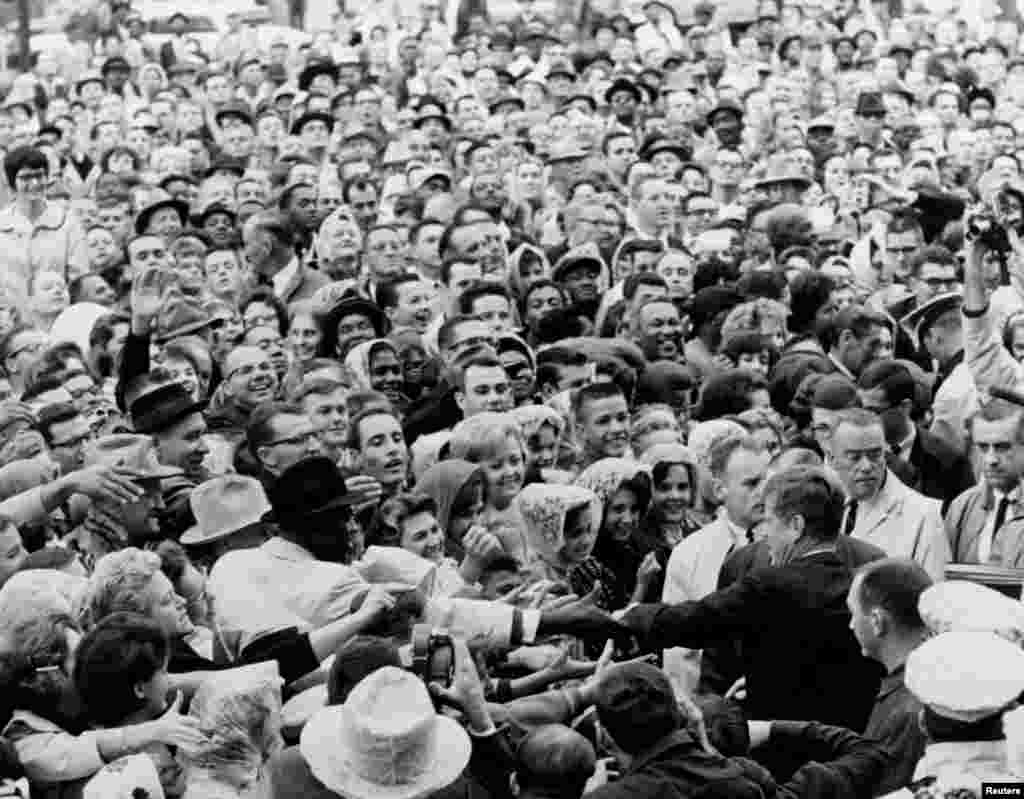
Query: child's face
755, 361
673, 494
622, 515
578, 536
497, 584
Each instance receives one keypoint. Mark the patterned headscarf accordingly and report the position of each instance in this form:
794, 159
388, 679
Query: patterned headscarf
544, 507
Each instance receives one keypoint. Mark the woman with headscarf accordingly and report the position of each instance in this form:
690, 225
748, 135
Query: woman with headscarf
459, 490
623, 487
528, 265
546, 444
562, 523
375, 366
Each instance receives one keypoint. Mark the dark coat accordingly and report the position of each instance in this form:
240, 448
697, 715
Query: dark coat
433, 413
935, 469
895, 723
721, 666
799, 657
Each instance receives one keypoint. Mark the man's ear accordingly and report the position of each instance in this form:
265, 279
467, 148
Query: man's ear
460, 400
718, 490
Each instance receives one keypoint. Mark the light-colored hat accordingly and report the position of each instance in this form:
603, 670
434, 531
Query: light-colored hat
967, 606
386, 742
921, 319
966, 676
125, 778
225, 505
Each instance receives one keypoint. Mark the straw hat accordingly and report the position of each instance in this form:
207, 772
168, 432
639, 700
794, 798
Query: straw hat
386, 742
225, 505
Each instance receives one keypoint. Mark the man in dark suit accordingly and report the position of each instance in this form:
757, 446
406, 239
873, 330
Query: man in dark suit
924, 461
799, 657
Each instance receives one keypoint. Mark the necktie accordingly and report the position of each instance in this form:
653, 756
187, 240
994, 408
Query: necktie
1001, 509
851, 518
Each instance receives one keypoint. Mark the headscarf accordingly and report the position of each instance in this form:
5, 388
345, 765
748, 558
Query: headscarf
519, 284
661, 454
531, 418
544, 506
606, 476
357, 362
442, 482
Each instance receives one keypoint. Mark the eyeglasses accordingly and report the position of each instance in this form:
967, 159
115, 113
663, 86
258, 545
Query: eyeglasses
249, 369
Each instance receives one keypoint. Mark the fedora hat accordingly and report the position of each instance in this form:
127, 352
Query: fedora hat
158, 409
920, 320
386, 742
663, 144
146, 214
312, 116
314, 70
358, 305
725, 107
225, 505
782, 171
234, 110
179, 317
311, 486
623, 85
132, 452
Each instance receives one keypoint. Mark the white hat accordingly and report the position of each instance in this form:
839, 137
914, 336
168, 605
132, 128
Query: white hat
225, 505
966, 676
125, 778
966, 606
386, 742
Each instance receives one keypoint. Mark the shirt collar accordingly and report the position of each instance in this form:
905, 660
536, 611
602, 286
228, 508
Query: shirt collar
285, 276
278, 547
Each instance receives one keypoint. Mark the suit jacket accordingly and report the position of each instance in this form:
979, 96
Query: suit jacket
966, 519
905, 524
793, 627
936, 469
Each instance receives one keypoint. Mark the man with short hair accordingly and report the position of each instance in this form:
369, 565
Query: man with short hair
384, 254
408, 301
602, 422
270, 251
657, 329
928, 464
376, 436
482, 385
280, 435
985, 524
325, 401
492, 303
880, 508
856, 337
790, 619
562, 369
738, 470
884, 618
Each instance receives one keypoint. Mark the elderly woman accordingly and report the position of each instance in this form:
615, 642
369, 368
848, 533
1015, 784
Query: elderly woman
131, 581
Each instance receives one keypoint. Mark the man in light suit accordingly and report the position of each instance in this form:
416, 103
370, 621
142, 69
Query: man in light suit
880, 509
738, 469
985, 524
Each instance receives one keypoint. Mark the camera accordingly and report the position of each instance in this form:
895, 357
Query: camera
433, 655
983, 227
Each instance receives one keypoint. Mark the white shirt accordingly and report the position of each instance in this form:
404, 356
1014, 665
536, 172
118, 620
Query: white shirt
283, 278
988, 533
907, 444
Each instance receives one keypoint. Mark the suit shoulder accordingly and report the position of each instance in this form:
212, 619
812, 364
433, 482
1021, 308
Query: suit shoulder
941, 450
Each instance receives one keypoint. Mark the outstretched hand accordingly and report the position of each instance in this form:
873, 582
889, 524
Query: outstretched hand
583, 618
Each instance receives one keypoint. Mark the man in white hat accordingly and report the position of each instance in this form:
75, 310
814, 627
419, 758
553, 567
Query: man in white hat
965, 680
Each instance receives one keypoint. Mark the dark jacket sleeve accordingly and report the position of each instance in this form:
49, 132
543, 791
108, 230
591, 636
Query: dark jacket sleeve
134, 362
716, 617
290, 648
937, 209
492, 763
840, 763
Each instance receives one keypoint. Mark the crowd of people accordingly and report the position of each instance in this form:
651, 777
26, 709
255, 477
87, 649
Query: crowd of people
455, 405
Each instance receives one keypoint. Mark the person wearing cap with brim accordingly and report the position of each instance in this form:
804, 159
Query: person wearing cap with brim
624, 97
568, 160
110, 526
966, 681
726, 120
91, 99
116, 71
151, 221
783, 182
317, 69
331, 345
312, 116
227, 507
507, 103
219, 222
234, 113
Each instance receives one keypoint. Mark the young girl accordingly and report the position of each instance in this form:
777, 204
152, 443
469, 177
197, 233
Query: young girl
459, 490
375, 365
562, 523
671, 515
623, 487
494, 441
543, 429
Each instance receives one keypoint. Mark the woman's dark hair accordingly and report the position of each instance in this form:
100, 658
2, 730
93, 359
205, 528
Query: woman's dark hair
266, 296
24, 158
750, 343
120, 150
808, 294
120, 652
101, 335
728, 394
386, 528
